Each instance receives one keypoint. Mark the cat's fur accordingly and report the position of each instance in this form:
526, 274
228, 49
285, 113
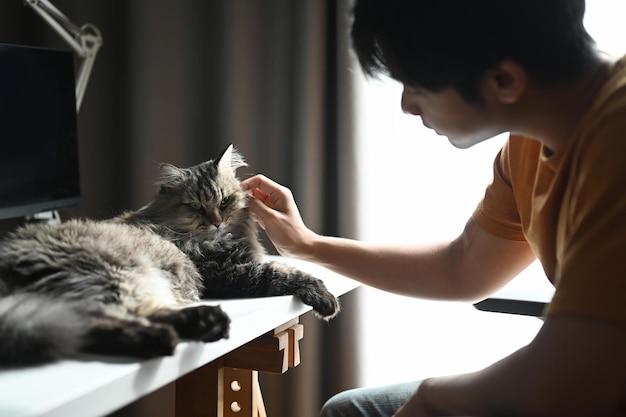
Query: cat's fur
126, 286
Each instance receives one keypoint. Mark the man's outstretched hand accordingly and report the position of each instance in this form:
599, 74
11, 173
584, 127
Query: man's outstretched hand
275, 210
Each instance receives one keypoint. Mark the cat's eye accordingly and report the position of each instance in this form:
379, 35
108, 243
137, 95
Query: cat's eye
225, 201
195, 205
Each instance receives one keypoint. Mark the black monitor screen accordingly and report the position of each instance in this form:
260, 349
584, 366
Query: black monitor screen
38, 133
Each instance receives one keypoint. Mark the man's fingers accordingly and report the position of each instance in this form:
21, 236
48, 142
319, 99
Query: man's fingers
258, 206
250, 183
258, 181
262, 183
260, 194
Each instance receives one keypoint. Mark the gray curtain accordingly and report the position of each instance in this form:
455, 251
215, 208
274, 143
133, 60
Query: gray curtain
176, 81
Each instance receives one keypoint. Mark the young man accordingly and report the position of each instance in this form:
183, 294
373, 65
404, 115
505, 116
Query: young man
472, 69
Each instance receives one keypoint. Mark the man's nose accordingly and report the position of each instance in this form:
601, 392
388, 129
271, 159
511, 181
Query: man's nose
408, 104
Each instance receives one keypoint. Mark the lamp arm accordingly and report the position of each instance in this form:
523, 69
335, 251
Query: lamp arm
85, 40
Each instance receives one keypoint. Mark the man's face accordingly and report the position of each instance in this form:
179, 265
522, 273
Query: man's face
448, 114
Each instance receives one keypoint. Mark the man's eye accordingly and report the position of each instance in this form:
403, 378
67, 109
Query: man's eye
195, 205
413, 90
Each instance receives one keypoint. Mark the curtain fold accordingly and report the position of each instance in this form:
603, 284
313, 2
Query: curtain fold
177, 81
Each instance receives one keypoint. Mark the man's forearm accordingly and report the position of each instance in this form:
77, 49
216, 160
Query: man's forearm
448, 270
423, 271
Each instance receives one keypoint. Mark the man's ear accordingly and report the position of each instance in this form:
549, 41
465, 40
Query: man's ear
507, 82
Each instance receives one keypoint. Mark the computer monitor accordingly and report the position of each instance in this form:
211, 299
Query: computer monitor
39, 168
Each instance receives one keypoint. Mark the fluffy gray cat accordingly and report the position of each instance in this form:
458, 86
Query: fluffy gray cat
127, 286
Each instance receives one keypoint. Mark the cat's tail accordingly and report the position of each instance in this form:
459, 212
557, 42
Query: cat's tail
36, 329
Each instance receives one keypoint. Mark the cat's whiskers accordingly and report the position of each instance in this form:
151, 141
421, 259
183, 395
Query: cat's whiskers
174, 235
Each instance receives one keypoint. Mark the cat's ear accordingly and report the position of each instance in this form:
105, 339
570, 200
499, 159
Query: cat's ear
230, 161
171, 177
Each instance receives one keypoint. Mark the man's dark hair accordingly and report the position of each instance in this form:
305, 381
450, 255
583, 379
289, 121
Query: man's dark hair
436, 44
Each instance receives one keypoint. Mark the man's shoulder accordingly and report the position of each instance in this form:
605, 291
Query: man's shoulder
611, 98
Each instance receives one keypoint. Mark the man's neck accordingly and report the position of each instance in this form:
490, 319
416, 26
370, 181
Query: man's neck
552, 114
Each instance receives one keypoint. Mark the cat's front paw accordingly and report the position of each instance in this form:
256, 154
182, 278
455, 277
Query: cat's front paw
325, 304
328, 307
204, 323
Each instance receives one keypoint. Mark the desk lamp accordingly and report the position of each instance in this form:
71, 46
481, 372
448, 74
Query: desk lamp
85, 40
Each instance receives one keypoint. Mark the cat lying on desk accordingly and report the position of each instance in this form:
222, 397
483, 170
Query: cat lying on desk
125, 286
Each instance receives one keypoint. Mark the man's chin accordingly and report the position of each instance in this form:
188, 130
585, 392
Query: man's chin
464, 142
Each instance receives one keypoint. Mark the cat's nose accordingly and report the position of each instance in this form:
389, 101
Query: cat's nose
216, 218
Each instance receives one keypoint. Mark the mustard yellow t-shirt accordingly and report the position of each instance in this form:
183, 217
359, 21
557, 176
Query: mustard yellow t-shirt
570, 208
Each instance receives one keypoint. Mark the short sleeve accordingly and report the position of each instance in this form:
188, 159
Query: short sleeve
497, 213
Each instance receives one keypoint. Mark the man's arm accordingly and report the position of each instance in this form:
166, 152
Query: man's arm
574, 367
468, 268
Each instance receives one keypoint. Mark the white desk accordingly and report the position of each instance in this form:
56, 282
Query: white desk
94, 387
